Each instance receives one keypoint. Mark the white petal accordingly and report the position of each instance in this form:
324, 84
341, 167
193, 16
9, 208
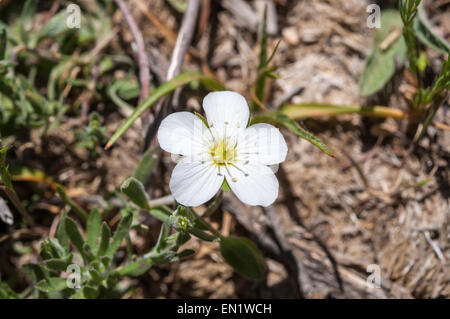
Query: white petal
253, 184
183, 133
226, 110
194, 183
262, 143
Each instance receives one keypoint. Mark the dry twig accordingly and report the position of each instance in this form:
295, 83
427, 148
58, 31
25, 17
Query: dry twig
144, 71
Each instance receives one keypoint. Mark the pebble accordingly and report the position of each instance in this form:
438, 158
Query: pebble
290, 35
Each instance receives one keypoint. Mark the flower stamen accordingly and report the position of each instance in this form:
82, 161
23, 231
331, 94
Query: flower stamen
233, 179
240, 169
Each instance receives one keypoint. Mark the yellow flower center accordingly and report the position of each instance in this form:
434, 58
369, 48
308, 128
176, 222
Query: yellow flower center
222, 152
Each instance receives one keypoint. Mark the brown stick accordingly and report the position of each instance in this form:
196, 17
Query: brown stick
144, 69
176, 61
184, 39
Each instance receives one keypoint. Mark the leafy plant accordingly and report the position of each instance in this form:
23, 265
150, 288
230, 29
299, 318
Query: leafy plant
8, 188
389, 51
96, 273
265, 71
427, 99
93, 135
382, 63
91, 261
242, 254
396, 42
39, 94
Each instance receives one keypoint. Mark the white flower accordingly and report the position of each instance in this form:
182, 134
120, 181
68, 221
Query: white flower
226, 149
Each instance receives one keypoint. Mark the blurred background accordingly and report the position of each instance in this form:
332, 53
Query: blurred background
379, 201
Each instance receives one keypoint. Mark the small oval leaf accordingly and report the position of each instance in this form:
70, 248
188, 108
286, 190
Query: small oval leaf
135, 191
424, 31
147, 163
380, 66
244, 256
94, 225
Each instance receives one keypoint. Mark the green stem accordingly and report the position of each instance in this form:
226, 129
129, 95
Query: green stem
206, 224
214, 205
82, 214
161, 214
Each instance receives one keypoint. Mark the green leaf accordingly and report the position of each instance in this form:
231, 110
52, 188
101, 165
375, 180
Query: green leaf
124, 89
55, 27
90, 292
440, 85
163, 252
50, 248
74, 234
94, 224
105, 65
166, 249
430, 115
424, 31
38, 272
27, 19
87, 252
163, 233
162, 90
119, 235
272, 55
380, 66
146, 165
104, 241
136, 268
135, 191
75, 207
61, 234
186, 253
60, 264
105, 260
96, 276
28, 11
52, 284
284, 120
6, 292
179, 5
202, 235
161, 214
79, 295
244, 256
390, 20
